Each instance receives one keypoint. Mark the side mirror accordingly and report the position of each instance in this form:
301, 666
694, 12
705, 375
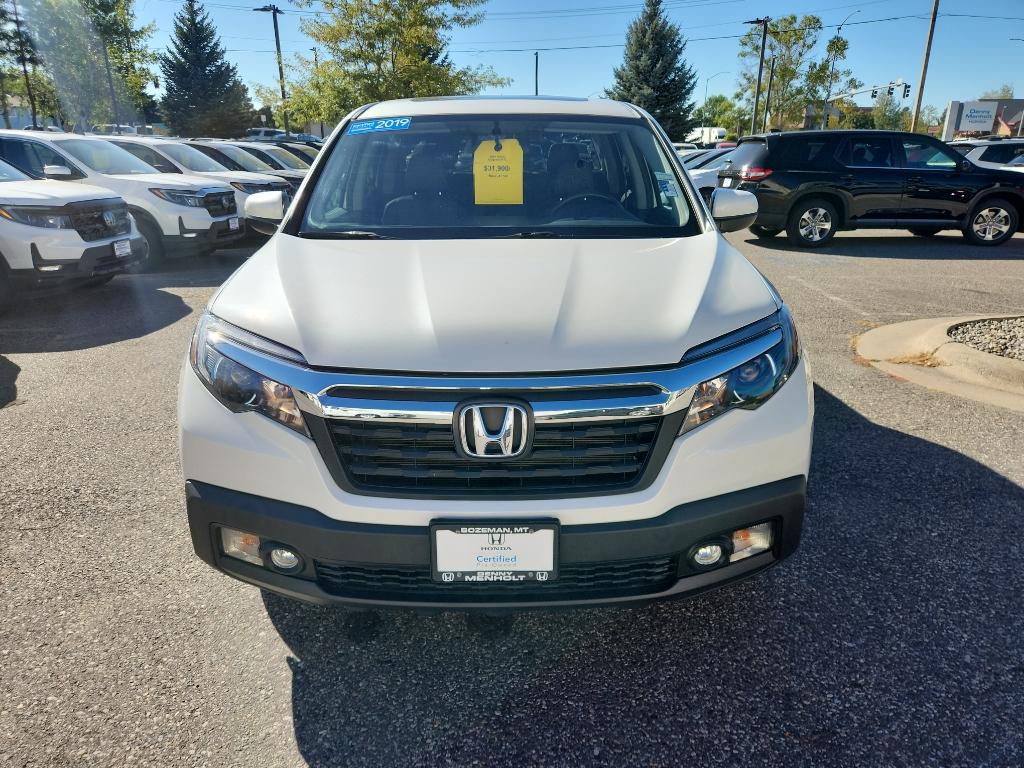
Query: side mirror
733, 209
965, 164
57, 172
264, 211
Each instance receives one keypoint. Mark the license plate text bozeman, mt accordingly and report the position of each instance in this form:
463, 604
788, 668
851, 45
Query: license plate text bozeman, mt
501, 553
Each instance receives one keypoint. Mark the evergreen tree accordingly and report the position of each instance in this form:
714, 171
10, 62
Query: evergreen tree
202, 93
654, 75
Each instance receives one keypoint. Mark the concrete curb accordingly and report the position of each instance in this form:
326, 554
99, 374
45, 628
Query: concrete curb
921, 351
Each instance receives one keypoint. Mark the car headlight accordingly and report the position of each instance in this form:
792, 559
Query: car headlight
748, 385
179, 197
35, 216
250, 188
240, 388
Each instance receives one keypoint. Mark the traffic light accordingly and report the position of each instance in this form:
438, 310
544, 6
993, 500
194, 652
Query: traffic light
874, 93
892, 89
906, 91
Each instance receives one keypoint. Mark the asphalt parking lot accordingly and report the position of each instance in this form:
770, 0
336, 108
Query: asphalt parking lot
894, 637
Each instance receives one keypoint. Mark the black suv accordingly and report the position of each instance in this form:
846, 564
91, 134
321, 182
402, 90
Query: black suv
814, 183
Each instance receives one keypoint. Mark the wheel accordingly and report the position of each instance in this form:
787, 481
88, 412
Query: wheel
812, 223
758, 231
155, 241
925, 231
96, 282
992, 223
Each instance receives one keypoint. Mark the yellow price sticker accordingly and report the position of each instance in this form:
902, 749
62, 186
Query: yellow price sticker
498, 172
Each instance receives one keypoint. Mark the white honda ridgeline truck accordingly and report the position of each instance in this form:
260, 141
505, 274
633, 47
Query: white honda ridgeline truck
497, 355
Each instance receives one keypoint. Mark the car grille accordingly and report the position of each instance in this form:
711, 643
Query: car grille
575, 581
420, 459
98, 223
220, 203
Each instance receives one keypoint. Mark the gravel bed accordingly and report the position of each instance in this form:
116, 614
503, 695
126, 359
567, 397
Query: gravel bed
1000, 337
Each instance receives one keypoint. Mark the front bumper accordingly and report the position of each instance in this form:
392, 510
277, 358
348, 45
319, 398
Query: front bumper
376, 553
94, 261
218, 234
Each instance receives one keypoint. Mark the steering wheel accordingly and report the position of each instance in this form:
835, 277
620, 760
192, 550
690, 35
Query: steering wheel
605, 199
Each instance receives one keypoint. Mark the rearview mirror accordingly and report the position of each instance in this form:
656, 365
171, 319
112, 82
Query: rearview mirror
733, 209
264, 211
57, 172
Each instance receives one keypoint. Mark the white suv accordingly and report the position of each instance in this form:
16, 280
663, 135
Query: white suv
177, 214
169, 156
55, 233
991, 153
498, 354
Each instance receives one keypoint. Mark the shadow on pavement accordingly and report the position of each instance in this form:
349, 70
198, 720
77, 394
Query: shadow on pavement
946, 246
8, 381
892, 637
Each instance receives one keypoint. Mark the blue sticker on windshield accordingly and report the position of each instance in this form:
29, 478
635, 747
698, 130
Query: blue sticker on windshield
385, 124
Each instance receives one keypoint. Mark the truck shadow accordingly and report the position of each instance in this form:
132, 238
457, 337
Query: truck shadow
896, 626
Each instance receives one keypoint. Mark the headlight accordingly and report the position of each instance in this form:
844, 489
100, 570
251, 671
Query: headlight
179, 197
250, 188
748, 385
34, 216
240, 388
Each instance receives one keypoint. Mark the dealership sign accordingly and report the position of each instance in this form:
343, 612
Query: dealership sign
978, 116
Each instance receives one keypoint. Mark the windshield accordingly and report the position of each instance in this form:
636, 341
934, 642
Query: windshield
104, 157
530, 175
247, 161
190, 157
286, 158
10, 173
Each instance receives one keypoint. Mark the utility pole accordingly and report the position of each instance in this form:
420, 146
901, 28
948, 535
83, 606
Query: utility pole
536, 73
924, 67
316, 66
24, 62
760, 68
275, 12
768, 96
831, 74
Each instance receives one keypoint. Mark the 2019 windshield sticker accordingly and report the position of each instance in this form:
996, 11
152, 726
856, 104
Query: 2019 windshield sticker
375, 126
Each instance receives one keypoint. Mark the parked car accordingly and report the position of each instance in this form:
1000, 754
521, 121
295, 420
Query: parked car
814, 183
46, 128
684, 147
304, 152
705, 159
263, 133
238, 159
273, 155
705, 175
725, 145
521, 382
169, 156
990, 153
54, 233
176, 213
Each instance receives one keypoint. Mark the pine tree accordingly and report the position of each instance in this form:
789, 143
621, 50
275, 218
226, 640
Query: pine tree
654, 75
202, 93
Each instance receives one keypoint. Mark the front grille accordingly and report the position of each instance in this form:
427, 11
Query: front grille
220, 203
575, 581
420, 459
98, 223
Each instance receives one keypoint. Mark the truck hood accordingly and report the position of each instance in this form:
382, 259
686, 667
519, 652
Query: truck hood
247, 177
183, 181
51, 193
494, 306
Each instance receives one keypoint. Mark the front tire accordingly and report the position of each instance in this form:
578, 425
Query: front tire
993, 222
764, 232
812, 223
155, 240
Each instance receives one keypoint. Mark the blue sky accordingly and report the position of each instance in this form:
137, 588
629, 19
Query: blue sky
969, 55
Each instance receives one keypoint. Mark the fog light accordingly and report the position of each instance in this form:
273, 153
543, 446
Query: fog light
754, 540
285, 559
241, 545
707, 554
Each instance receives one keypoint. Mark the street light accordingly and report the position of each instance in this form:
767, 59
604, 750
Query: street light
275, 12
831, 74
704, 106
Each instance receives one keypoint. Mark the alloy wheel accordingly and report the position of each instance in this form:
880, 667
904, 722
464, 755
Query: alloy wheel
815, 224
991, 224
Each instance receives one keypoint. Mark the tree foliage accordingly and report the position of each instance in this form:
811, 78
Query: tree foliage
890, 114
381, 49
1004, 91
723, 112
654, 75
791, 41
202, 93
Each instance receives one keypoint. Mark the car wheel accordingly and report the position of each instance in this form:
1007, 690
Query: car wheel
925, 231
155, 241
758, 231
812, 223
992, 223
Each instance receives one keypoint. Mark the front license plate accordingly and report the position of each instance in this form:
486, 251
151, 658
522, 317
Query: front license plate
494, 552
122, 248
727, 182
233, 223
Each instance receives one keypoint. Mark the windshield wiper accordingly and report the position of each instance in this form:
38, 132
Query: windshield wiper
348, 234
531, 233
